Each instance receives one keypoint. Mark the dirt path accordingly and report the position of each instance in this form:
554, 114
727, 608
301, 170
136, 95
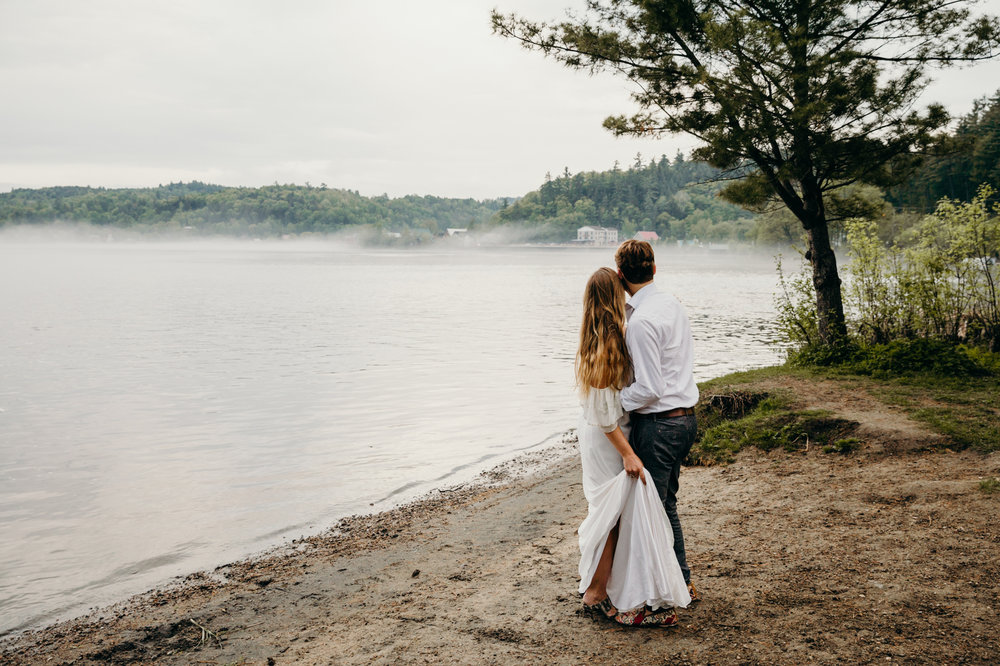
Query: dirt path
802, 558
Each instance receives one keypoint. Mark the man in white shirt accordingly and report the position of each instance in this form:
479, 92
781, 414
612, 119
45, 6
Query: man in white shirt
663, 394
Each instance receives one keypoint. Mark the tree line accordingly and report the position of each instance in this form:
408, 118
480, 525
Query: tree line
677, 199
968, 158
268, 211
673, 198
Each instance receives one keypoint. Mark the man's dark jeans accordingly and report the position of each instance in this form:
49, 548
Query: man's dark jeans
662, 444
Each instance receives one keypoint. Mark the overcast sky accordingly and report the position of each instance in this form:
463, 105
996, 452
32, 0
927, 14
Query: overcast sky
388, 96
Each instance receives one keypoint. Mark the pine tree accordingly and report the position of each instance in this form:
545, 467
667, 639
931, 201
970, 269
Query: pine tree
796, 97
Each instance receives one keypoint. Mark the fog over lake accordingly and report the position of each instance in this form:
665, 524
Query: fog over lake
169, 407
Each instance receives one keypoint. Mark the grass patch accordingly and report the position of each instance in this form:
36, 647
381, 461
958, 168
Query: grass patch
749, 377
951, 388
845, 445
733, 419
964, 410
948, 395
961, 427
990, 486
723, 406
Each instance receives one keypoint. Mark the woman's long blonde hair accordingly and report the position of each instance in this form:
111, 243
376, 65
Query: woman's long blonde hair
602, 359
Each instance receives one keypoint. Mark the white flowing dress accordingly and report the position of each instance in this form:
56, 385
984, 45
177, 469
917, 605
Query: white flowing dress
645, 568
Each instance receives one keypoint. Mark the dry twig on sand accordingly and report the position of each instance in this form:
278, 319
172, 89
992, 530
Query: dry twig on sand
206, 633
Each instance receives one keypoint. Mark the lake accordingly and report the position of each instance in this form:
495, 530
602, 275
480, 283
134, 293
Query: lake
166, 408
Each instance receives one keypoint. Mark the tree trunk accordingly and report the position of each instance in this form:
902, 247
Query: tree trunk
826, 280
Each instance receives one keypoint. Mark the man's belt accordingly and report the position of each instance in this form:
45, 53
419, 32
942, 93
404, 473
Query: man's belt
670, 414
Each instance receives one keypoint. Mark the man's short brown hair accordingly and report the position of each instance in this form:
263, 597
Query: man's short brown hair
635, 261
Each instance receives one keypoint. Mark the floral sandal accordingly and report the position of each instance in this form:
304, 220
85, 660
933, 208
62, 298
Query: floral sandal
646, 617
601, 610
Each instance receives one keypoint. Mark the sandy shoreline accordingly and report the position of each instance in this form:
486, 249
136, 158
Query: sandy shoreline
347, 537
885, 555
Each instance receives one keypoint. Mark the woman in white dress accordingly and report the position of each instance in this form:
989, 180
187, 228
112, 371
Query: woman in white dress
628, 570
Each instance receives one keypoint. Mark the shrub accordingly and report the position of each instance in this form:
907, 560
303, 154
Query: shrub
904, 304
796, 306
945, 286
839, 355
901, 357
957, 254
878, 293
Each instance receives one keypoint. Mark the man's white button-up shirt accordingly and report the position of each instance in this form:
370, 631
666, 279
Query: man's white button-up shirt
658, 338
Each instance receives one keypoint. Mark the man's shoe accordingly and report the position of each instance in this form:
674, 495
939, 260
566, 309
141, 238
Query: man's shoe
694, 593
667, 618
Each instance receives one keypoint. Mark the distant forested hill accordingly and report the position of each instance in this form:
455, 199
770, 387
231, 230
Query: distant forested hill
675, 198
974, 160
669, 197
243, 211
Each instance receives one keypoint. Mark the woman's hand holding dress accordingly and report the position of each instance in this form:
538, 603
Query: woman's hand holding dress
633, 466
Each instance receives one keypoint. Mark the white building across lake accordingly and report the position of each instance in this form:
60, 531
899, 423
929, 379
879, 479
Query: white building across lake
597, 235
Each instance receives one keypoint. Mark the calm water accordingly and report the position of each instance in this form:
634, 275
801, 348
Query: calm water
168, 408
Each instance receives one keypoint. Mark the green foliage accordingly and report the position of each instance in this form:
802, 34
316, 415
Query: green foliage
990, 485
945, 285
880, 305
921, 355
796, 307
968, 156
989, 361
959, 250
858, 201
901, 357
841, 356
778, 227
924, 308
670, 198
238, 211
